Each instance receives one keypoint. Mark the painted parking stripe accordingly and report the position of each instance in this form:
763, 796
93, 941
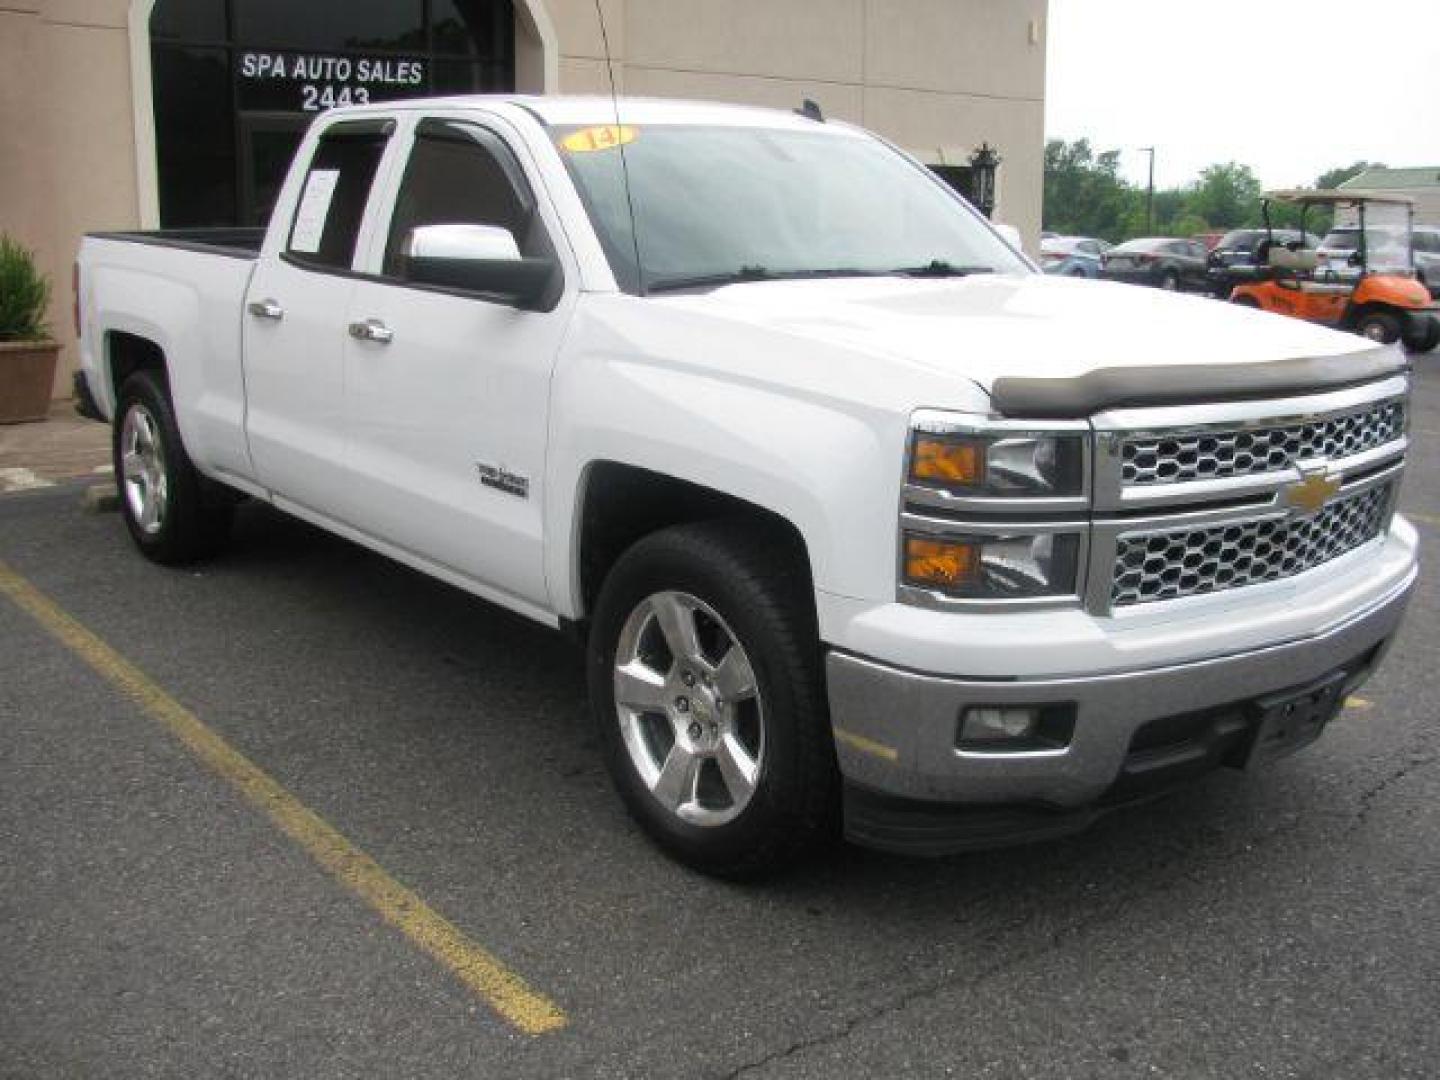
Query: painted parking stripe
504, 991
18, 479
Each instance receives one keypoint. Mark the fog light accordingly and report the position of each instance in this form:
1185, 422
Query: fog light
1016, 728
993, 723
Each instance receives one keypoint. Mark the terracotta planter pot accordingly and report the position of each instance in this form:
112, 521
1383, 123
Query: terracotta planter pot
27, 374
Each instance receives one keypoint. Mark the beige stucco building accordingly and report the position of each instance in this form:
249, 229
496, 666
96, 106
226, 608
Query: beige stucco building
124, 113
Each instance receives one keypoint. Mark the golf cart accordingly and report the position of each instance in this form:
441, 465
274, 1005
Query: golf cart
1372, 291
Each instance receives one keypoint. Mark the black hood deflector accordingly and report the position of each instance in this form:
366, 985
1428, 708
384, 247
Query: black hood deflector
1190, 384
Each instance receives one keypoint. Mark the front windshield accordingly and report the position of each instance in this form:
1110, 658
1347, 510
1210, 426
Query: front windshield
1387, 237
1239, 240
718, 202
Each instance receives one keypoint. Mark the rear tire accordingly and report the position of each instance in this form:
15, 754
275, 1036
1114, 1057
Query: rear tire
1382, 327
1170, 281
708, 694
173, 514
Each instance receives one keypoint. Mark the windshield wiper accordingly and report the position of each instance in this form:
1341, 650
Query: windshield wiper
941, 268
753, 273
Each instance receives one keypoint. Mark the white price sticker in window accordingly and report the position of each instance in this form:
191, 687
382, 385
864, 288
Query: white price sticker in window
314, 209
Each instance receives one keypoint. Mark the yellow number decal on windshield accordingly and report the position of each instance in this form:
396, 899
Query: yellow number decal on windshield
598, 138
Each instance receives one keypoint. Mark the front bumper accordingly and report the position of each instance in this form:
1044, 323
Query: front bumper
909, 788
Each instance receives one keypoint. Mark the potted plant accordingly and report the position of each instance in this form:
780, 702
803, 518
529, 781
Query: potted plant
27, 352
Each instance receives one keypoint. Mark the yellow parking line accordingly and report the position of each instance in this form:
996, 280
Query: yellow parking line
1360, 704
501, 988
867, 746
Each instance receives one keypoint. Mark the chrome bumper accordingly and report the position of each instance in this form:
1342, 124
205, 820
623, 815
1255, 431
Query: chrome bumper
895, 730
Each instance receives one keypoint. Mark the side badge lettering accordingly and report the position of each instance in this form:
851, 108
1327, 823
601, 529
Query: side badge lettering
502, 479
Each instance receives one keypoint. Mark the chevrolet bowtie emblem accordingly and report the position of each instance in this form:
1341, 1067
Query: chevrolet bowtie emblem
1313, 492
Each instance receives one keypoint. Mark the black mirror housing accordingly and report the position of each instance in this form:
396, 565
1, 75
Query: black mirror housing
521, 282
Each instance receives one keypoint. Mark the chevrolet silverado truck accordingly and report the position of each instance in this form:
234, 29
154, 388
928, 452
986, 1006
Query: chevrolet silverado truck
866, 524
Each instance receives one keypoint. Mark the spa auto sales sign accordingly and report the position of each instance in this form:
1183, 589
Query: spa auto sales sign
314, 82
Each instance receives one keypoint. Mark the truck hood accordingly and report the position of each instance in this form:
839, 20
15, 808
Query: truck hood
1004, 331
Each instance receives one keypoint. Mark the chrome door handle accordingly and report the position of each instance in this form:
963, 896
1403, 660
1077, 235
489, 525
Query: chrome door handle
266, 309
372, 330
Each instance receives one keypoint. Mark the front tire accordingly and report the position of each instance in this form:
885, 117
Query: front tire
707, 689
173, 514
1170, 281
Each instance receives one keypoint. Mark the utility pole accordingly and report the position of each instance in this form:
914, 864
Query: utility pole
1150, 192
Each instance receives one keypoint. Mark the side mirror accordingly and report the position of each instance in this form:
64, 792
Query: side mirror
461, 242
477, 258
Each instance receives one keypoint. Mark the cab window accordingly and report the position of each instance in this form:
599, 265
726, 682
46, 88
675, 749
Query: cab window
463, 174
337, 186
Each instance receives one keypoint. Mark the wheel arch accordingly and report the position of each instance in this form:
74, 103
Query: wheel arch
619, 504
126, 353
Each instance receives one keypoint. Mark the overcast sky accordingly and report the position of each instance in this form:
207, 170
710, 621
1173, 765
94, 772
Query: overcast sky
1289, 87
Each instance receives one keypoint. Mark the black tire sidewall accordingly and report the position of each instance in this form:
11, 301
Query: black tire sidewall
192, 526
786, 685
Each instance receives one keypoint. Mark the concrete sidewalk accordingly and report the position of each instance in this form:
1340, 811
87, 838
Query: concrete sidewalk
62, 447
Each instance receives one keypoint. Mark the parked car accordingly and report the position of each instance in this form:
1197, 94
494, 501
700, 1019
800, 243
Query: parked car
1427, 257
1072, 256
1236, 257
863, 522
1162, 261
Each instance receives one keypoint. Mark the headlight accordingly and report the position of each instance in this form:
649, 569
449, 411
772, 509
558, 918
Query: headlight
1002, 464
1011, 566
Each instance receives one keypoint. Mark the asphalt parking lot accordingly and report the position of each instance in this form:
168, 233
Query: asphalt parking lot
163, 914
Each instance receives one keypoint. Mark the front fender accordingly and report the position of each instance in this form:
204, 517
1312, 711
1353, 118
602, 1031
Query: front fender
810, 432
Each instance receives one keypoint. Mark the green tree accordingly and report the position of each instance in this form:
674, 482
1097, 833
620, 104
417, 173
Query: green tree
1227, 196
1084, 193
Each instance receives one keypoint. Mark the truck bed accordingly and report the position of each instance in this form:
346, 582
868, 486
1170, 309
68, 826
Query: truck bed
230, 242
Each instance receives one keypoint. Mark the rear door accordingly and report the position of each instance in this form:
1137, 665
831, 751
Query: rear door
448, 403
294, 321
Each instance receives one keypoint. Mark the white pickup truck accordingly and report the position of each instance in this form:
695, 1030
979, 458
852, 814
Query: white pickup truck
866, 523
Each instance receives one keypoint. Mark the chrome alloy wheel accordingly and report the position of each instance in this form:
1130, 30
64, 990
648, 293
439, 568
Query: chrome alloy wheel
689, 708
142, 467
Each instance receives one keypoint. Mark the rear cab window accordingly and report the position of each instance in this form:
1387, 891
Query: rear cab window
326, 224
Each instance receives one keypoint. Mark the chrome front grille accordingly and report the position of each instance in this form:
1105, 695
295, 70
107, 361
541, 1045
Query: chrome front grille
1196, 500
1189, 562
1175, 458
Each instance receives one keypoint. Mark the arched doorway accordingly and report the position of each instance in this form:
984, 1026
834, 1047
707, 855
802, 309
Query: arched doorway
234, 84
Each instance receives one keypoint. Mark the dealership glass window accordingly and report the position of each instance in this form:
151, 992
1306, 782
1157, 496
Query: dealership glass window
237, 81
190, 20
332, 27
195, 138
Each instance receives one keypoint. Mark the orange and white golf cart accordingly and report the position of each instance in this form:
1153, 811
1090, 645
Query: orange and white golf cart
1373, 290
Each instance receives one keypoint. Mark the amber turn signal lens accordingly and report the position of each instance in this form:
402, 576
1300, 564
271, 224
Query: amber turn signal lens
948, 461
940, 562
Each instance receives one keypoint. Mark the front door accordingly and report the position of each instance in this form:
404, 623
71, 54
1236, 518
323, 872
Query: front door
447, 393
294, 322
